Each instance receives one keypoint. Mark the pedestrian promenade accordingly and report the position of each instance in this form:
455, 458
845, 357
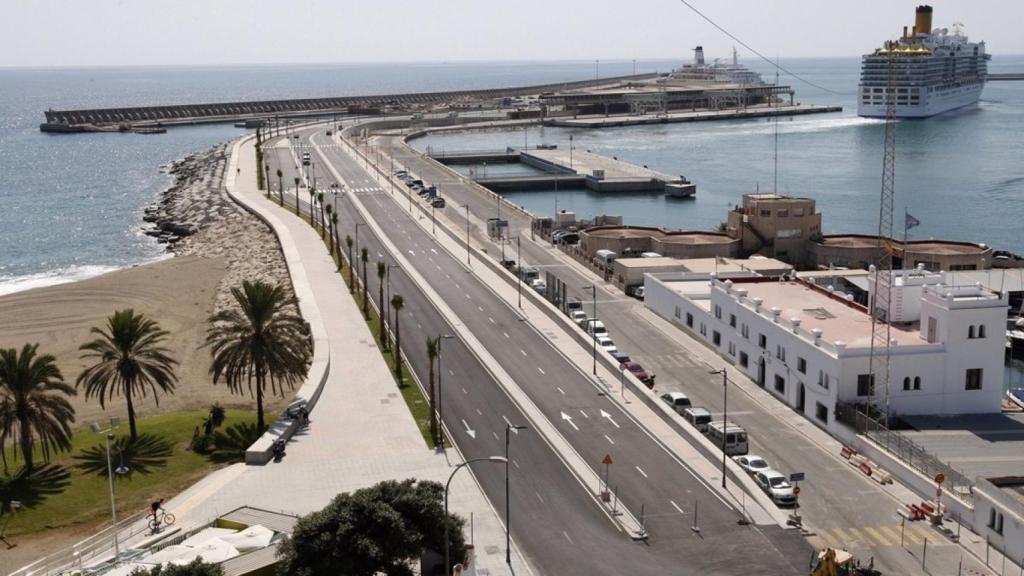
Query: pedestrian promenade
360, 429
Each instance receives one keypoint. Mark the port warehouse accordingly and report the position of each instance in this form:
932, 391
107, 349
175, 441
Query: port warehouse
664, 95
224, 111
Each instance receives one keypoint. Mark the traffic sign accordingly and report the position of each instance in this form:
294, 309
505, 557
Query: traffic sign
940, 478
796, 477
796, 489
607, 459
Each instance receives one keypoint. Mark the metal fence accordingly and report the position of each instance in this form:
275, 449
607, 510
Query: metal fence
915, 456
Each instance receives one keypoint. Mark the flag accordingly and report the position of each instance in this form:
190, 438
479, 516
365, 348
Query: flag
911, 222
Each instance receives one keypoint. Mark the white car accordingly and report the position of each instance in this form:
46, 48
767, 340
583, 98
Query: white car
579, 317
777, 486
606, 344
538, 285
677, 400
752, 463
596, 327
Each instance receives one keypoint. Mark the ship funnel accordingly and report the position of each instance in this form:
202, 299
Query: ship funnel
904, 32
923, 21
698, 56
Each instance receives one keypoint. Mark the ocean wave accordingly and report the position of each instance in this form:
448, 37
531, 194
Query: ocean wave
12, 284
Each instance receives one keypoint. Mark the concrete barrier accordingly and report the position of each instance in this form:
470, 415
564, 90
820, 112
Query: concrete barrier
308, 394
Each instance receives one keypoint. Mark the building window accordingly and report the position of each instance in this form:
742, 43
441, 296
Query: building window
865, 385
732, 320
780, 384
716, 338
798, 211
917, 382
745, 331
801, 365
732, 348
766, 213
783, 213
679, 312
906, 382
762, 341
995, 521
689, 320
981, 331
718, 313
821, 412
703, 329
744, 360
780, 352
970, 332
974, 376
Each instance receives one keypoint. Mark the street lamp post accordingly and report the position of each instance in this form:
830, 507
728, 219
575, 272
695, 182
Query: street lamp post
508, 522
108, 434
440, 389
447, 544
725, 415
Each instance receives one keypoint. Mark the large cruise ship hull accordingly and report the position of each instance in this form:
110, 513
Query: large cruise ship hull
936, 103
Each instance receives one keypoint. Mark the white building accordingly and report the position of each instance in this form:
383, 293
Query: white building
811, 347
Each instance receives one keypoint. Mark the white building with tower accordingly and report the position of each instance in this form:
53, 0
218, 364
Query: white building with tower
811, 347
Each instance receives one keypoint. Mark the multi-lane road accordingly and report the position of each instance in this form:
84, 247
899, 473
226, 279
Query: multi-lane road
555, 518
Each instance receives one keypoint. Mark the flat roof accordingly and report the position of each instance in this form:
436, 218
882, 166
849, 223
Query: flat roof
939, 247
660, 262
624, 232
696, 238
838, 321
709, 265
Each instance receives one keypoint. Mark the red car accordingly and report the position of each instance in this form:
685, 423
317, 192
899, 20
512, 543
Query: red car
640, 373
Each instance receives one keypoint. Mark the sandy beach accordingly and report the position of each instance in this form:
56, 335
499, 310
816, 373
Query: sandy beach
223, 246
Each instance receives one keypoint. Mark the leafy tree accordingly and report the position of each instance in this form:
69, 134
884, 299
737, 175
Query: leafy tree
261, 339
280, 187
381, 529
195, 568
33, 403
351, 280
331, 222
130, 362
323, 225
397, 302
433, 345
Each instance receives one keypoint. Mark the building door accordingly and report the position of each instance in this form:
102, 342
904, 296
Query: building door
800, 397
760, 372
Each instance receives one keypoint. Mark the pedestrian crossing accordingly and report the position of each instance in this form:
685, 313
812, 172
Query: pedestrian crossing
369, 190
849, 538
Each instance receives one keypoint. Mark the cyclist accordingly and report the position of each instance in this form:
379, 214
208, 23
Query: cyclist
156, 507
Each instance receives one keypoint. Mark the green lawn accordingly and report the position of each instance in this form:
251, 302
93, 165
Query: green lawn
85, 500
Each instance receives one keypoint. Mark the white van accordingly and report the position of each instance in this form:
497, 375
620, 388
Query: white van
698, 417
735, 437
603, 259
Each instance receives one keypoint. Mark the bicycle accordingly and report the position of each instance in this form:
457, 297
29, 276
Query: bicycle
164, 519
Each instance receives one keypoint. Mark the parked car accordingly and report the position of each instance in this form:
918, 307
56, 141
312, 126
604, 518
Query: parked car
437, 202
776, 486
568, 238
636, 292
640, 373
538, 285
698, 417
508, 264
305, 158
400, 173
751, 463
677, 400
621, 358
579, 317
596, 327
606, 344
329, 133
573, 304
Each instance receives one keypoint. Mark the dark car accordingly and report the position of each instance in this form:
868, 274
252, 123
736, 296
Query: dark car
640, 373
620, 357
437, 202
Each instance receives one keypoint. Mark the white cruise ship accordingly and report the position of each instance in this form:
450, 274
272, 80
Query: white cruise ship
716, 73
935, 71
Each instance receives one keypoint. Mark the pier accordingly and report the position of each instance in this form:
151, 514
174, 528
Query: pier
568, 169
125, 119
1006, 76
691, 116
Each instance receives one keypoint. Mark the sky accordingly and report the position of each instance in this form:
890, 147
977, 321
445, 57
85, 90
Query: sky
44, 33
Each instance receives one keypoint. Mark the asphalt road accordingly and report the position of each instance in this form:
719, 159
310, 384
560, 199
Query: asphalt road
841, 506
556, 522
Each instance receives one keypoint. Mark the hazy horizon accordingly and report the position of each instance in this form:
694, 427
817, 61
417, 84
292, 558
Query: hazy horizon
112, 33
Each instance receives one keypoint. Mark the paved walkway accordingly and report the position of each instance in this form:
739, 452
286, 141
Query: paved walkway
361, 431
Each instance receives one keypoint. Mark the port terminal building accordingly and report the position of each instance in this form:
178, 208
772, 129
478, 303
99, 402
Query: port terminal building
810, 346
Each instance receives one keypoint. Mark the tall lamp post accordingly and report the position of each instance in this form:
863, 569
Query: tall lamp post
508, 522
725, 415
121, 469
447, 544
593, 288
440, 389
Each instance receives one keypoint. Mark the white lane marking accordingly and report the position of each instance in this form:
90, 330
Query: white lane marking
467, 298
539, 369
480, 308
491, 319
434, 250
516, 464
411, 253
418, 325
566, 534
495, 434
506, 334
479, 412
456, 285
610, 441
523, 352
539, 497
448, 276
562, 392
438, 267
584, 414
450, 373
464, 391
568, 419
470, 431
641, 471
676, 506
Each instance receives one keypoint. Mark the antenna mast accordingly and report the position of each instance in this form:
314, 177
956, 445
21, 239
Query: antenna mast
881, 333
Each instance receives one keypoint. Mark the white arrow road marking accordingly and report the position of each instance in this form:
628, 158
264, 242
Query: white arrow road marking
641, 471
609, 417
470, 431
568, 419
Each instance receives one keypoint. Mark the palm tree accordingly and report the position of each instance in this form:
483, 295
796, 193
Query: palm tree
280, 187
364, 255
130, 361
397, 302
432, 349
330, 222
337, 244
323, 226
32, 402
261, 338
312, 196
382, 269
351, 280
297, 180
